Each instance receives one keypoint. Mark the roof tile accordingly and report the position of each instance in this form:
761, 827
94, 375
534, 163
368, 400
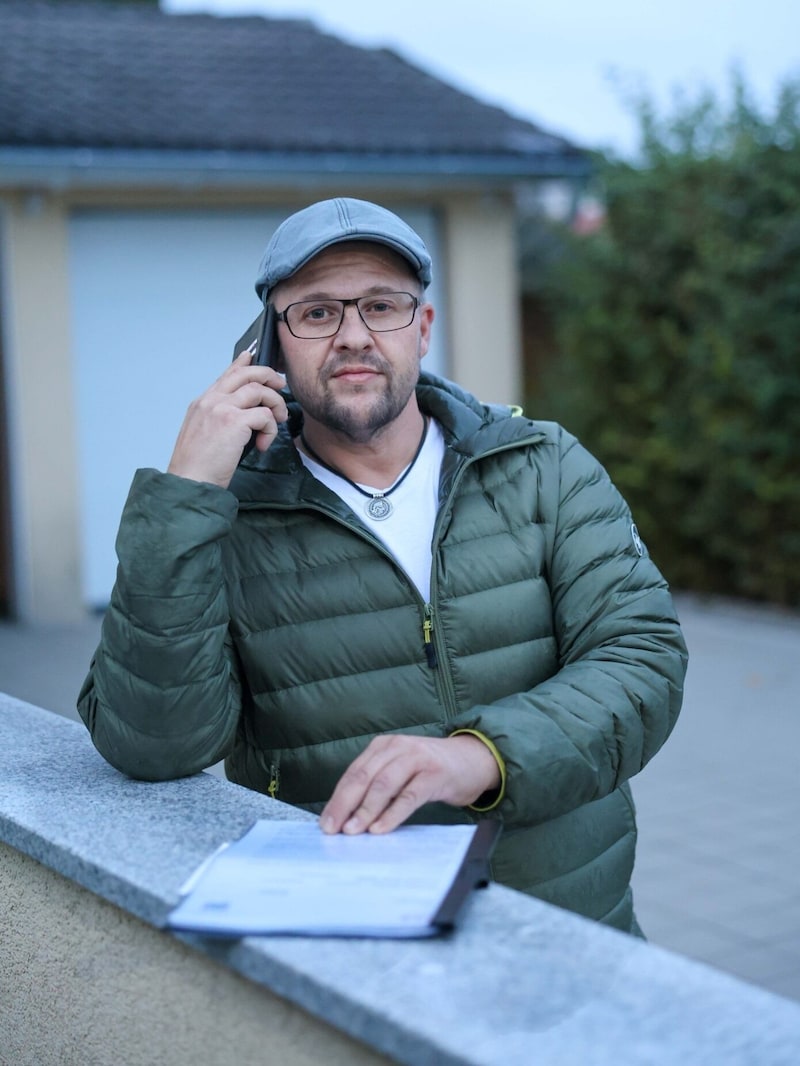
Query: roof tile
130, 76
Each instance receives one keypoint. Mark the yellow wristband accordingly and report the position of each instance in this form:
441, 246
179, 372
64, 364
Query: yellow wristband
501, 766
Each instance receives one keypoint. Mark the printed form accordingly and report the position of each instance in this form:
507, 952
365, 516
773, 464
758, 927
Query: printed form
290, 877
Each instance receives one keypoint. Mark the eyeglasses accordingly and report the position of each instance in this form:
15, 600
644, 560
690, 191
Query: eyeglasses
314, 319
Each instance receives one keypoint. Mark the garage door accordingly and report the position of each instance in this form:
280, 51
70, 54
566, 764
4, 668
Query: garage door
157, 301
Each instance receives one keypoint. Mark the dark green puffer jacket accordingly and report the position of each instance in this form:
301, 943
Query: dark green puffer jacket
267, 625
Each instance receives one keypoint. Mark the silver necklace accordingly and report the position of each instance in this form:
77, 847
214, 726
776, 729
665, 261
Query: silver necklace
378, 505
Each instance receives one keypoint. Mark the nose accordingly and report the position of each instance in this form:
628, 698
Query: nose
352, 333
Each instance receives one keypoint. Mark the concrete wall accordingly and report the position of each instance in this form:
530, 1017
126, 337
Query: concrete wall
102, 987
84, 983
91, 863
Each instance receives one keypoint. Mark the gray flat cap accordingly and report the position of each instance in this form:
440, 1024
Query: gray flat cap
302, 235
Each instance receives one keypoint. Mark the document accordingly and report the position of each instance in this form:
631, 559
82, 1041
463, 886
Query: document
291, 878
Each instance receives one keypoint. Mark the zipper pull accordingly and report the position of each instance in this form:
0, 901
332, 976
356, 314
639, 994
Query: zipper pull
427, 638
274, 781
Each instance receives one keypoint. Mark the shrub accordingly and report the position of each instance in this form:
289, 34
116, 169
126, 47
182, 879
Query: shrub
677, 328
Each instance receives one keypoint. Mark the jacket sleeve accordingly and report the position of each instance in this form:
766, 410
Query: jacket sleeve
162, 697
617, 692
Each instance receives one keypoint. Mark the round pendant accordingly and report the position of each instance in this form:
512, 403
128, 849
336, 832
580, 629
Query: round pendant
379, 508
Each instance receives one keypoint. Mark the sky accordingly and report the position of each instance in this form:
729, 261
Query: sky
566, 65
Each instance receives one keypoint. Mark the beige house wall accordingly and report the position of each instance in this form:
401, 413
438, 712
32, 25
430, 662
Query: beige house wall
483, 297
482, 328
43, 454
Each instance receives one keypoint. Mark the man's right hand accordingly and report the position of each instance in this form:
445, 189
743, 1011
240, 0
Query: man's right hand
219, 424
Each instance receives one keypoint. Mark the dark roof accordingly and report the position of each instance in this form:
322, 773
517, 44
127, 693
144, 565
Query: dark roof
106, 76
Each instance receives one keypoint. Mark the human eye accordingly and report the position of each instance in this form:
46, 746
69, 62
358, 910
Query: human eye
378, 306
318, 313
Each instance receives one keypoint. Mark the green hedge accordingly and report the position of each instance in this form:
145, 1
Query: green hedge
678, 338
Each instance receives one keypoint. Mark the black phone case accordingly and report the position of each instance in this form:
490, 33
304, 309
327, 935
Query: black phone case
262, 337
262, 333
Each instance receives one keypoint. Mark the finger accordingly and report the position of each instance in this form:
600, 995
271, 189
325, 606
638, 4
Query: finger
368, 791
352, 787
378, 801
242, 370
253, 395
387, 805
276, 404
265, 428
416, 793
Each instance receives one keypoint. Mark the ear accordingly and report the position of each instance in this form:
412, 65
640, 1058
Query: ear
426, 316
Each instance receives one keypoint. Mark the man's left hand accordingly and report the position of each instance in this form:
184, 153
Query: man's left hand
397, 774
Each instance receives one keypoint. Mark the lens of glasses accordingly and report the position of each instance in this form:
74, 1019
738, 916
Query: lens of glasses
312, 319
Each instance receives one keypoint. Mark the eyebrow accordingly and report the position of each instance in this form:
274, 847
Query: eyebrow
373, 290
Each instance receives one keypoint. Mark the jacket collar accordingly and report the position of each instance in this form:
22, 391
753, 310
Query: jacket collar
470, 429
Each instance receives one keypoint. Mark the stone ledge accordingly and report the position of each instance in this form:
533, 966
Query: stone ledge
518, 982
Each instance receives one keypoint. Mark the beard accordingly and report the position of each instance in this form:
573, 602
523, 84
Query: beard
359, 422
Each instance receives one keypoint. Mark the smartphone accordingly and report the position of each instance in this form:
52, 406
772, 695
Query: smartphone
260, 338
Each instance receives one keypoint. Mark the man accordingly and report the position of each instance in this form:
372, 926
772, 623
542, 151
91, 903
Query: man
400, 604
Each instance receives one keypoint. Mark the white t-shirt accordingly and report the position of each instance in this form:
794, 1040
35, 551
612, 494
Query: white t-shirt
408, 531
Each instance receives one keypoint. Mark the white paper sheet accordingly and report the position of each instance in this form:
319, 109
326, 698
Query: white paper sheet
290, 877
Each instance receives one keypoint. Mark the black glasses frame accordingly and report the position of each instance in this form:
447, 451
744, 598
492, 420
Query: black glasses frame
281, 316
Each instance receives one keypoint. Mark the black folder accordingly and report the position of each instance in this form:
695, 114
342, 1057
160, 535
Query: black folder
473, 873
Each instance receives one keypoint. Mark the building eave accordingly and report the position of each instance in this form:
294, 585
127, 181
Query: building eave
65, 169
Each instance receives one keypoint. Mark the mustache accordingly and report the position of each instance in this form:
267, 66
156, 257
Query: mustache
369, 362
